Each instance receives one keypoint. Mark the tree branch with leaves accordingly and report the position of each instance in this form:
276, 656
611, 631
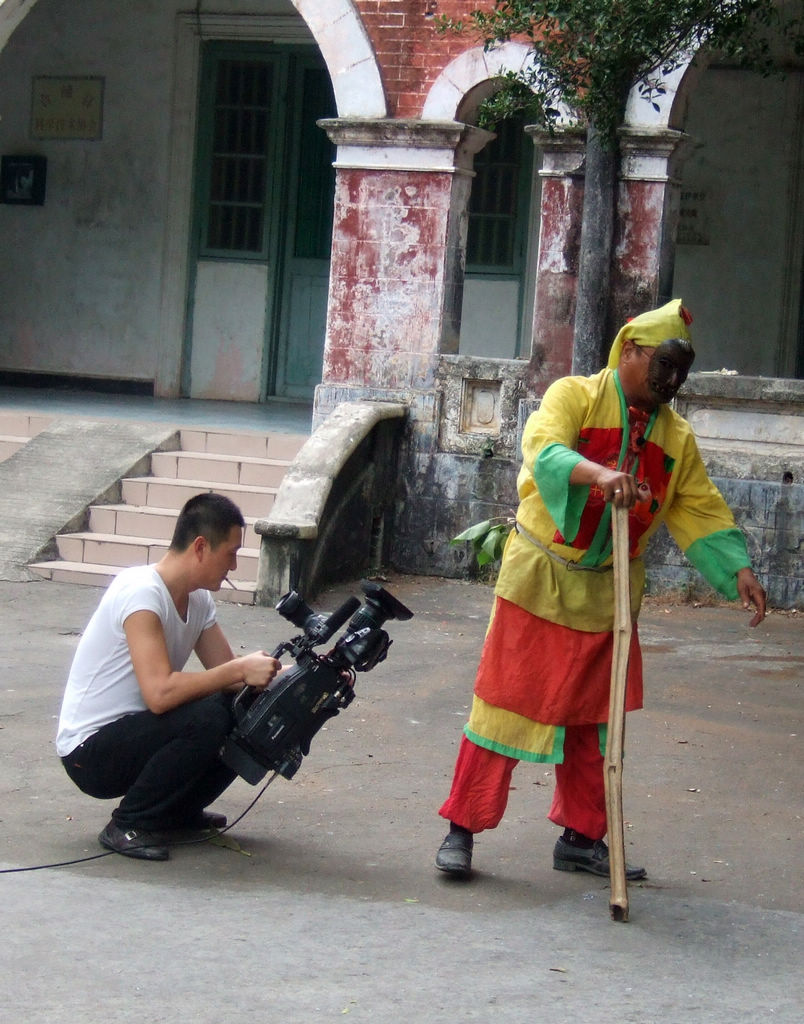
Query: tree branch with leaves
587, 57
589, 54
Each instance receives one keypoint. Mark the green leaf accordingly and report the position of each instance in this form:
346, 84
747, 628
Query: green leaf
487, 539
492, 547
472, 533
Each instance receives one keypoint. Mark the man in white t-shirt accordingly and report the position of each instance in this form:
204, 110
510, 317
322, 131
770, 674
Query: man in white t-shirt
134, 724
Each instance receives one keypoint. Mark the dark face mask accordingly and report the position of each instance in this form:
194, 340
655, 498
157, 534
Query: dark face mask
669, 366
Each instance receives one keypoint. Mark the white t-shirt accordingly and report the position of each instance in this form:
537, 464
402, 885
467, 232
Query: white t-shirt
102, 686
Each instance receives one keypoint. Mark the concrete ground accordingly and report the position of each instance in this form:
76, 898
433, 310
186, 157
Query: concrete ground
325, 905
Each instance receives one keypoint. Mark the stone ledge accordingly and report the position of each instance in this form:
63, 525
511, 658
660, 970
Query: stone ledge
304, 490
743, 460
725, 389
330, 517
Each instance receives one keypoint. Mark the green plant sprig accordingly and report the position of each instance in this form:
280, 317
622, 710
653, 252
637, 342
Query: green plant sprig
487, 538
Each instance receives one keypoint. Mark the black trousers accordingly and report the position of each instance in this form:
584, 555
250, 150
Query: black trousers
166, 767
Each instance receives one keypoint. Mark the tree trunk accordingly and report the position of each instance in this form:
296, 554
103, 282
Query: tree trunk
594, 263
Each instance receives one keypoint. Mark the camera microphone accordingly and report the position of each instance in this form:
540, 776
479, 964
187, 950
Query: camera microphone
332, 623
317, 627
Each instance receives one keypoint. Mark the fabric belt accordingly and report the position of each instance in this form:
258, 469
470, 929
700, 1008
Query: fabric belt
569, 565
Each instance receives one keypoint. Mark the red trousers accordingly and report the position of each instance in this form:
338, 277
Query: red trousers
482, 781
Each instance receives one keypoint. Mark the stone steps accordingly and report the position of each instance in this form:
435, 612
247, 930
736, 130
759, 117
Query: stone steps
17, 428
91, 575
164, 492
246, 467
156, 523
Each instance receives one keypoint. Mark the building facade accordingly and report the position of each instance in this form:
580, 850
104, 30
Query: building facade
242, 199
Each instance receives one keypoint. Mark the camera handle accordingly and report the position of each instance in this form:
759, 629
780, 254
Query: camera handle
249, 694
325, 628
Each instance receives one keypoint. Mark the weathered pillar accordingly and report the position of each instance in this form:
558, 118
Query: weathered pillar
396, 289
398, 252
646, 220
562, 174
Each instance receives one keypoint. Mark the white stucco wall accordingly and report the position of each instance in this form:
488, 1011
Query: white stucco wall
81, 277
739, 255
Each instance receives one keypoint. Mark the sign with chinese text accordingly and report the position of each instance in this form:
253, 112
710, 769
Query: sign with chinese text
67, 108
693, 219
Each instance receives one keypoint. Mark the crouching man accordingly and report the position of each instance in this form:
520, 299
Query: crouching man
134, 724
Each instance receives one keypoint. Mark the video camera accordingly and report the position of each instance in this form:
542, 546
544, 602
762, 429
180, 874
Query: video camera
274, 727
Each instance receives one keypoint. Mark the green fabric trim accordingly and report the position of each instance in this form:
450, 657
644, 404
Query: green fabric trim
556, 756
623, 418
719, 557
564, 501
601, 546
602, 737
601, 540
602, 543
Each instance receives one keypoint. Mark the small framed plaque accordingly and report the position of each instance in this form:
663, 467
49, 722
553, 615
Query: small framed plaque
67, 108
22, 180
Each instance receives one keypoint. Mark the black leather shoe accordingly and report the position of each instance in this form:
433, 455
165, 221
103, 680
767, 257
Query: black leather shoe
594, 860
210, 819
204, 821
205, 825
455, 854
132, 842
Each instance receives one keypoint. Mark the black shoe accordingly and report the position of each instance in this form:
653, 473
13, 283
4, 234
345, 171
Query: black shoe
132, 842
204, 821
210, 819
205, 825
595, 860
455, 854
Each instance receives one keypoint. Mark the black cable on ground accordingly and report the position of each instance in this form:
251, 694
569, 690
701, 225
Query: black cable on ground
179, 842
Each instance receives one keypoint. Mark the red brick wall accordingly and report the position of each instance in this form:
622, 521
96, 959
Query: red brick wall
410, 51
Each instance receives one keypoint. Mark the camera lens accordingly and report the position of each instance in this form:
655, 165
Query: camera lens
379, 606
294, 609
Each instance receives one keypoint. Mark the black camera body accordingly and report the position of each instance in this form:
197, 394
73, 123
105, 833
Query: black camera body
274, 727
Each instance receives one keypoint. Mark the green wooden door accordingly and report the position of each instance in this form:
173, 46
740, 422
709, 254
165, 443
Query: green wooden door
305, 285
263, 222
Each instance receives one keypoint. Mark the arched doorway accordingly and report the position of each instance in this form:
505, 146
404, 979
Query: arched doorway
502, 229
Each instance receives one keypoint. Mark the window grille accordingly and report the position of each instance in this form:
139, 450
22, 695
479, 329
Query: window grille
495, 203
238, 166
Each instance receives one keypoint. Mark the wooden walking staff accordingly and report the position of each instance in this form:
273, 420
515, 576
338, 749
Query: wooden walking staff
613, 763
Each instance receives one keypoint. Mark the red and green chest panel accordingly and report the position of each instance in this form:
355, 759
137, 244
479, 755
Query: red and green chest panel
648, 463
